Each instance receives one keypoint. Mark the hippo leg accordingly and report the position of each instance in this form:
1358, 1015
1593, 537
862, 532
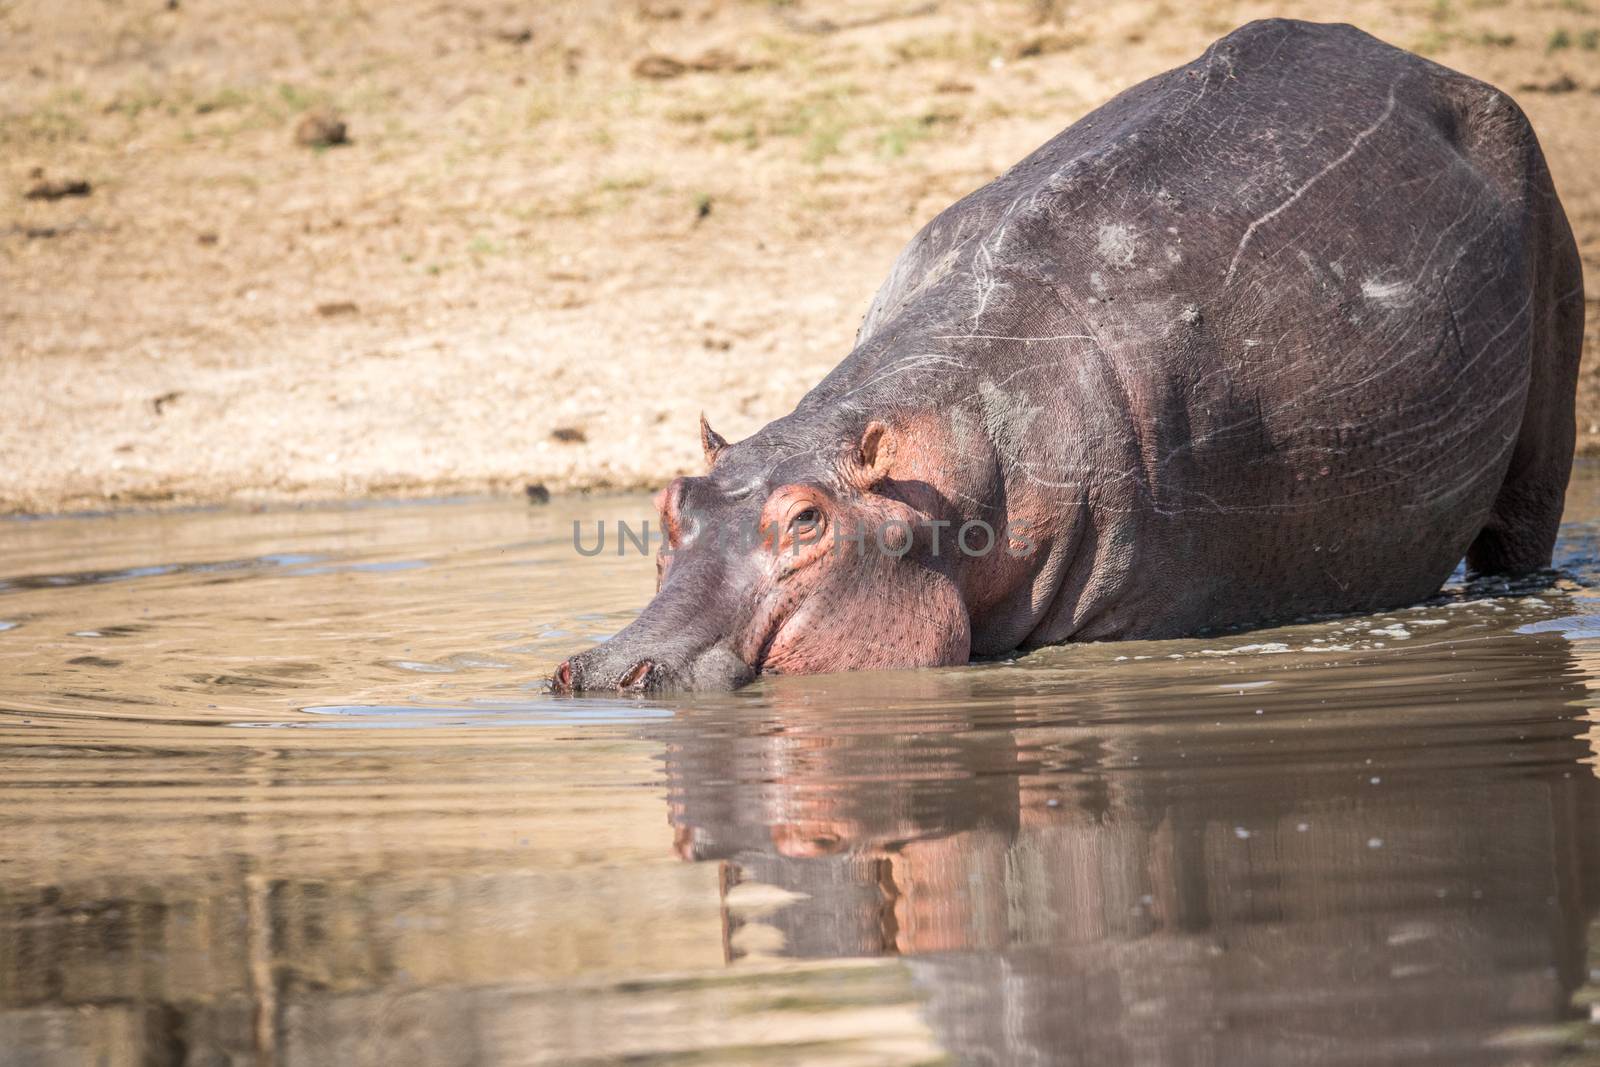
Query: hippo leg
1521, 531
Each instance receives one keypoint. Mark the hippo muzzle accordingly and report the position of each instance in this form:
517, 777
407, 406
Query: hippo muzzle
626, 666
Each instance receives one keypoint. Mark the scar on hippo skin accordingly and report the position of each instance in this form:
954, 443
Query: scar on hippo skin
1370, 339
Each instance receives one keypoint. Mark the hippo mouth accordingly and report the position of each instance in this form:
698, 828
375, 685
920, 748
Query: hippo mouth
601, 669
642, 660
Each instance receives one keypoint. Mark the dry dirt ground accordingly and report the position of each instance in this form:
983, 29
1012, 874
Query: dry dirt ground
557, 232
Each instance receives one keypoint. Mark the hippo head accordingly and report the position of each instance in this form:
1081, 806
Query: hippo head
787, 559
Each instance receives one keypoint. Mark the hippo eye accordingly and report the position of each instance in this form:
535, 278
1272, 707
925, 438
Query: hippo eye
807, 519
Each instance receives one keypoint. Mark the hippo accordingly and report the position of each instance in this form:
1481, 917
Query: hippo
1286, 332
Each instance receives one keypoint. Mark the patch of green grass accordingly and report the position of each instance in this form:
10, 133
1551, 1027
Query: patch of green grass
134, 103
971, 48
687, 116
369, 98
895, 139
1436, 39
54, 121
225, 99
295, 98
999, 109
625, 183
831, 120
1431, 42
824, 141
608, 194
1588, 40
821, 119
244, 179
542, 108
740, 133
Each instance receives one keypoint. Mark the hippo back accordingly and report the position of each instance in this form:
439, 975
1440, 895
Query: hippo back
1273, 315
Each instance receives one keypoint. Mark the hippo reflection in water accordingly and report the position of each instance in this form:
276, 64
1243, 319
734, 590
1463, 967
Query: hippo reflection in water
1101, 877
1289, 330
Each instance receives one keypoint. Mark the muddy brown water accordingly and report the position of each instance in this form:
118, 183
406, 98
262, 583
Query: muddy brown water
284, 788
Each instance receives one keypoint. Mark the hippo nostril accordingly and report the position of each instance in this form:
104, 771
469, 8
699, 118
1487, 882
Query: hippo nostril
638, 677
561, 681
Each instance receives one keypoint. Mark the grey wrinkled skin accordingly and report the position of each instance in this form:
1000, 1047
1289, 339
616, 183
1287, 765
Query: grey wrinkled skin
1288, 330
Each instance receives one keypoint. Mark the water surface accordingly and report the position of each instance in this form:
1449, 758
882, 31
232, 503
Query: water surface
284, 788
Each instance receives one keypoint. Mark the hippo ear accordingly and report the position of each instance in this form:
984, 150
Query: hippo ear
868, 464
711, 442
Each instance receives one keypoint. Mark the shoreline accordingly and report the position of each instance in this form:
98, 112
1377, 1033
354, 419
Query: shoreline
537, 258
422, 498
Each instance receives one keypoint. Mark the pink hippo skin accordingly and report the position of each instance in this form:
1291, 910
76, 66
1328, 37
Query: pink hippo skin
1286, 331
